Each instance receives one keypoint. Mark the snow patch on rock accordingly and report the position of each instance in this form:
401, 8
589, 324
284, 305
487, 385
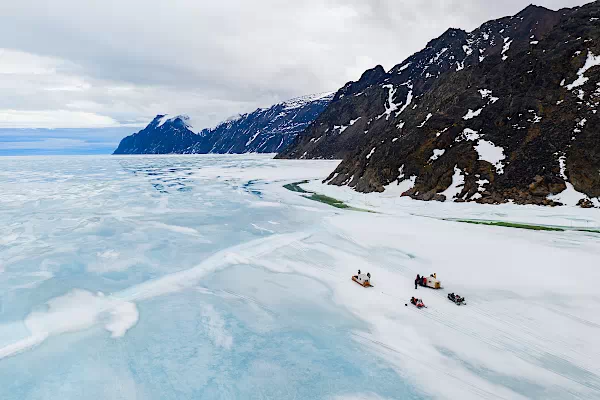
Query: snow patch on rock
425, 121
472, 114
409, 98
371, 153
390, 107
405, 66
590, 62
507, 43
468, 134
437, 153
491, 153
570, 196
341, 128
401, 186
458, 181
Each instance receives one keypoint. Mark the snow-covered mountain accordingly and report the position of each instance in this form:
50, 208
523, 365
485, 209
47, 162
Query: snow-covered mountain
507, 112
265, 130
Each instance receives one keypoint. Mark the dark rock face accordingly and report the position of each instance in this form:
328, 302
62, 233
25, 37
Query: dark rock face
509, 109
262, 131
161, 136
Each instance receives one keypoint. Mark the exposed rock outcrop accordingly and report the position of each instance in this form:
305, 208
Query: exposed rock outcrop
507, 112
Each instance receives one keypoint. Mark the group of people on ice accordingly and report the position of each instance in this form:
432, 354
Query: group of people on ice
428, 281
431, 281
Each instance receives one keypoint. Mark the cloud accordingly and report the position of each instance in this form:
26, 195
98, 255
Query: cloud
124, 61
53, 119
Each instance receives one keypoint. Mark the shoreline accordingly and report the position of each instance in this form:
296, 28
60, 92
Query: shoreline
534, 217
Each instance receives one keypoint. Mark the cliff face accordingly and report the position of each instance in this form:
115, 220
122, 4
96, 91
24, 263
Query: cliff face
506, 112
263, 131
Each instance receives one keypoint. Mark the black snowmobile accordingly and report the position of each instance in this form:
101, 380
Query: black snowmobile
456, 299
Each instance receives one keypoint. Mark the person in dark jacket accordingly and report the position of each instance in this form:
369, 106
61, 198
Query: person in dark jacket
417, 280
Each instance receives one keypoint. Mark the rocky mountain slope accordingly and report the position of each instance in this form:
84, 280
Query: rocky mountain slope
507, 112
263, 131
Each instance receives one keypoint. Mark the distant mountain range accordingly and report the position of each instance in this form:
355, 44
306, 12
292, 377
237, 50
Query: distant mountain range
507, 112
266, 130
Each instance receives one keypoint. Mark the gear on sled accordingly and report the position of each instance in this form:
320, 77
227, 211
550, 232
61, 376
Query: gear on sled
430, 281
363, 280
456, 299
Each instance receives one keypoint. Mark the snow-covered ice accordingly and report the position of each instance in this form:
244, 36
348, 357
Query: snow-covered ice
227, 285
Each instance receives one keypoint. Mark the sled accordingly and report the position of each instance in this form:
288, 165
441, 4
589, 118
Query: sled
362, 280
430, 282
459, 301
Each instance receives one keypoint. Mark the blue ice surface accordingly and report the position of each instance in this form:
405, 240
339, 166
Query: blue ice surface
243, 333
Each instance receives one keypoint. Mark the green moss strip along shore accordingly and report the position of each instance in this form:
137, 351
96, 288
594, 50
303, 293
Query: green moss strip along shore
294, 187
513, 225
528, 226
321, 198
588, 230
328, 200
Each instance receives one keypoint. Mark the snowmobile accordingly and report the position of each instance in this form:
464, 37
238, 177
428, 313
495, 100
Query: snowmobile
456, 299
363, 280
417, 302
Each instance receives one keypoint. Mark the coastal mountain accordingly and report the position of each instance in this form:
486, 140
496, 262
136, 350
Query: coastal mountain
507, 112
266, 130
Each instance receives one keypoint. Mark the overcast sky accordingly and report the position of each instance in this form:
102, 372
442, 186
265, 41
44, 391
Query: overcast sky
115, 63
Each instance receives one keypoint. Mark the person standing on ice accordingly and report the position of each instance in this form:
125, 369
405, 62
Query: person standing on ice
417, 280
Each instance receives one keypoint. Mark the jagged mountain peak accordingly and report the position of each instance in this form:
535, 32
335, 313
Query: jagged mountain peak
532, 9
265, 130
172, 121
449, 35
367, 79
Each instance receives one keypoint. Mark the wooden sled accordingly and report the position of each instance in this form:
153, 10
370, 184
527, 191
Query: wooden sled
361, 281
